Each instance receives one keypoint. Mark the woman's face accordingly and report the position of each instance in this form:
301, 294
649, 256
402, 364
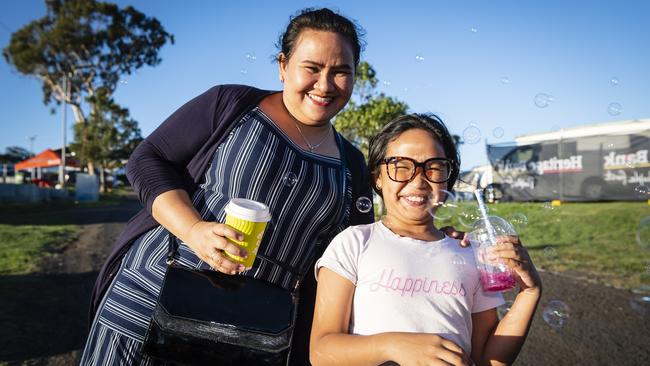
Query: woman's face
319, 76
407, 203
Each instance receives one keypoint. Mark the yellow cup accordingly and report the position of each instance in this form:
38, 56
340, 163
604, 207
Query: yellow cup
250, 217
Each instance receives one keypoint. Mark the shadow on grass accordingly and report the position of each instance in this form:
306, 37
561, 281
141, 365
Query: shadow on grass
70, 214
43, 315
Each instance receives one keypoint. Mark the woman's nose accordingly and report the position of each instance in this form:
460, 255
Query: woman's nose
325, 83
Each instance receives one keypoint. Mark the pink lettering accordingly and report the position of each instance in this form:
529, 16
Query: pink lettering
416, 285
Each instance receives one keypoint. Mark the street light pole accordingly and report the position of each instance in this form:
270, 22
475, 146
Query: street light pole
63, 105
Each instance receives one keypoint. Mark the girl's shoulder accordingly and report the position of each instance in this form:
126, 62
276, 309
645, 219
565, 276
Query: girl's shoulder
356, 235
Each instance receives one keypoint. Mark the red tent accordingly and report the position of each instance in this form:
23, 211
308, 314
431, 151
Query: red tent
47, 158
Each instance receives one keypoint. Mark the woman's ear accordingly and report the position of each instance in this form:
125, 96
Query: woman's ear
282, 65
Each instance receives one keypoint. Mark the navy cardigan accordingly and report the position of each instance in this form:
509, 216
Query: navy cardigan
177, 154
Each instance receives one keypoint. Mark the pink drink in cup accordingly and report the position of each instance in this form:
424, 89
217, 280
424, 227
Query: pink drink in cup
495, 275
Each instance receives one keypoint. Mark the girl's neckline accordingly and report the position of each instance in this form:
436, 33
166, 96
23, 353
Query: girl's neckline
408, 238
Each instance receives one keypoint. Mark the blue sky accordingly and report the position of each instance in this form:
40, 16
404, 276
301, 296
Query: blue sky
472, 62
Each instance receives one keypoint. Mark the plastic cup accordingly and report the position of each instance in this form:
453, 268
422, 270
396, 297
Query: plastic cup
495, 275
250, 217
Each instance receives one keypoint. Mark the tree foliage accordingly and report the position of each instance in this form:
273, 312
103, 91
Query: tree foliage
363, 119
81, 45
15, 154
110, 134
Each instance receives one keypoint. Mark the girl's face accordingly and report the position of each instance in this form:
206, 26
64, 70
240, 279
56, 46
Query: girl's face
407, 203
319, 76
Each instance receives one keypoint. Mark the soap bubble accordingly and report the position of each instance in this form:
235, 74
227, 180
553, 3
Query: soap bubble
386, 83
614, 109
250, 57
473, 30
614, 81
468, 214
364, 204
556, 314
643, 233
419, 58
472, 134
550, 252
442, 204
289, 179
640, 301
505, 80
122, 81
642, 191
518, 220
543, 100
243, 71
504, 309
498, 132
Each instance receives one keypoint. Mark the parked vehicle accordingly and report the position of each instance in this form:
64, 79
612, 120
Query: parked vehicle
598, 162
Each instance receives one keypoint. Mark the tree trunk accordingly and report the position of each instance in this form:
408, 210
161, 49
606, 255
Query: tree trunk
102, 179
91, 168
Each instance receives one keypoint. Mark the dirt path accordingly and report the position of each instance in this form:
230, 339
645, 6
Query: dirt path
43, 316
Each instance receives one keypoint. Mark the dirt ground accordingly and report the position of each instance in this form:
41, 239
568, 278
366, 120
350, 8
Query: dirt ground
44, 315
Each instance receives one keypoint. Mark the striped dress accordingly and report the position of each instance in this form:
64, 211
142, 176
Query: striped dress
307, 194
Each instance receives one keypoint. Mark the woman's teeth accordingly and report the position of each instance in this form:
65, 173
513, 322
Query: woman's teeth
320, 100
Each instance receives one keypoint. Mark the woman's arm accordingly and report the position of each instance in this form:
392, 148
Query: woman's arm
330, 343
497, 342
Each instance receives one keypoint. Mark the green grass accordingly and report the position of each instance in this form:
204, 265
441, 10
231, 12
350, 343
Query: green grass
22, 246
594, 241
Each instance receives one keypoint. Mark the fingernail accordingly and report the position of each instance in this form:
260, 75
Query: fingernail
241, 268
240, 237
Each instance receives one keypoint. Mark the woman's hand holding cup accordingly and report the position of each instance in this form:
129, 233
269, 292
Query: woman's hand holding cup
210, 239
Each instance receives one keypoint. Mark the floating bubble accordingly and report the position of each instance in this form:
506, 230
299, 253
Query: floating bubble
289, 179
548, 206
123, 81
243, 71
504, 309
643, 233
640, 301
543, 100
642, 191
614, 109
468, 214
556, 314
498, 132
250, 57
471, 134
458, 260
364, 204
614, 81
386, 83
473, 30
550, 252
505, 80
442, 205
419, 58
610, 147
518, 220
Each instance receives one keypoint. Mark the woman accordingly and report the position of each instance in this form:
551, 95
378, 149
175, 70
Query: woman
235, 141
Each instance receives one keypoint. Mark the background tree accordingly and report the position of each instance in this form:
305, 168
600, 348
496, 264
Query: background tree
366, 115
111, 135
83, 45
15, 154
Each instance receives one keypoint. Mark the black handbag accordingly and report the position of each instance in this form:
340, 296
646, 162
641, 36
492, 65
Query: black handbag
206, 317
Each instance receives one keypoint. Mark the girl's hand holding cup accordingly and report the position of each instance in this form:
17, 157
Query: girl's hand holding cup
512, 253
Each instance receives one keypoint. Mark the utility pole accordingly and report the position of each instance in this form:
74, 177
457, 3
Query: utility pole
64, 123
31, 143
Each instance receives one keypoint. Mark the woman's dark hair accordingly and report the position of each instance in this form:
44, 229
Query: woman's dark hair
321, 20
427, 122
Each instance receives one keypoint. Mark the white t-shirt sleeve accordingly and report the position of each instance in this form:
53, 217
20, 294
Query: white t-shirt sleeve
342, 255
485, 300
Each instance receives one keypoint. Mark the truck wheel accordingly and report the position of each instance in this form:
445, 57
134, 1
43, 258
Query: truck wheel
593, 191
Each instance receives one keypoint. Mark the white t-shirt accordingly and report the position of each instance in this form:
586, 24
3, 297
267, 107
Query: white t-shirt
408, 285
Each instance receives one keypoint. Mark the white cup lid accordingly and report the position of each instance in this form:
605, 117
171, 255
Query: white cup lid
248, 210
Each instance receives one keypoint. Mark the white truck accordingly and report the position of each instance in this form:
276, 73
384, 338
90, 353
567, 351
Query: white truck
607, 161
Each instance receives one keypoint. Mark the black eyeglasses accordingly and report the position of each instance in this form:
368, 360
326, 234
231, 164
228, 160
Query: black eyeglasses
402, 169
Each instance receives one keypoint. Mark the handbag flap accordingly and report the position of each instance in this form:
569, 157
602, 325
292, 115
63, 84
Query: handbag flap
214, 297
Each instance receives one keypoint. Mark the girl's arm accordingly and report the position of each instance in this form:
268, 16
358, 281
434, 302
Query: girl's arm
497, 342
330, 343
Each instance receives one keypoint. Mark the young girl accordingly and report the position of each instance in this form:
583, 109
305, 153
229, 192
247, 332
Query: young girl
401, 290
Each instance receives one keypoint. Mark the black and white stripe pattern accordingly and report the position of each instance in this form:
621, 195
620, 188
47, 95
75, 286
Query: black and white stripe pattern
255, 161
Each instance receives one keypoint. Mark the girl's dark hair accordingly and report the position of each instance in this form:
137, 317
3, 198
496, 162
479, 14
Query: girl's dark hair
322, 20
428, 122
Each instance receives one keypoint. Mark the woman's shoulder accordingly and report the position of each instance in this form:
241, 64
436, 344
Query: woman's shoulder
236, 90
